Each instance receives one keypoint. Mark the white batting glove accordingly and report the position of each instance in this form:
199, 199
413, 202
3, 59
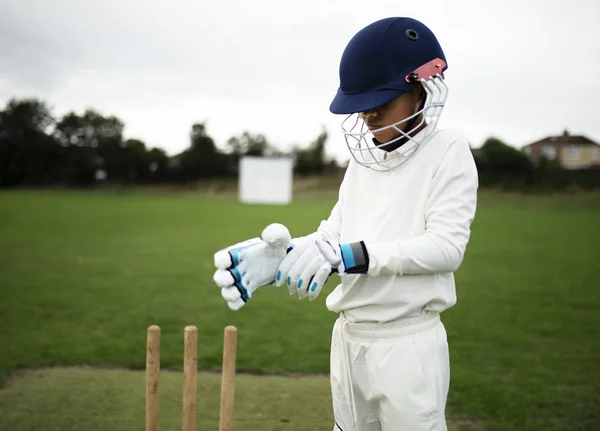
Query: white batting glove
331, 253
305, 269
244, 267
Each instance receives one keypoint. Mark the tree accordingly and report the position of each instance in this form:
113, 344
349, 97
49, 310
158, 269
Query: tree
136, 160
107, 134
312, 160
202, 159
80, 159
246, 144
27, 150
550, 175
501, 164
158, 166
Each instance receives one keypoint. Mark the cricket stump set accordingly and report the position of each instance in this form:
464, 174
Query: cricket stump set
190, 378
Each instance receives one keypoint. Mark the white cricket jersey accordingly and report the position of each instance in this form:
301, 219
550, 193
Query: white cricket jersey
415, 222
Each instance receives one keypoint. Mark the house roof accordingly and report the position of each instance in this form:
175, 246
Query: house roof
564, 139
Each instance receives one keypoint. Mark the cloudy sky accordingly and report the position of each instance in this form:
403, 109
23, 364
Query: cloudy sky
519, 70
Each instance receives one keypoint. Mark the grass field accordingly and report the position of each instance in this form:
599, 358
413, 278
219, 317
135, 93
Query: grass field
82, 275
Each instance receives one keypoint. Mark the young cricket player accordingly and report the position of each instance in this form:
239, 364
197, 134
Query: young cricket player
396, 235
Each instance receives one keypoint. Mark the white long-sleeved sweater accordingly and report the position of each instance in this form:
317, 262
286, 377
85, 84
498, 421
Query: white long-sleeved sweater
415, 222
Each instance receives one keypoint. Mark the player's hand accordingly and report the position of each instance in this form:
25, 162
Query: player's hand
244, 267
305, 269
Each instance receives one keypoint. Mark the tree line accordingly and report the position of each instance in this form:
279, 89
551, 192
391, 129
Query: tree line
502, 166
38, 149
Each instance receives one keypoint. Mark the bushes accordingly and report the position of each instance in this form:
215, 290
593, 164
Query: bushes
502, 166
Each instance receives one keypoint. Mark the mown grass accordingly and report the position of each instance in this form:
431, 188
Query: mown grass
82, 275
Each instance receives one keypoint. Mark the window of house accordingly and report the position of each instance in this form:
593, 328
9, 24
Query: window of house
595, 153
573, 153
549, 151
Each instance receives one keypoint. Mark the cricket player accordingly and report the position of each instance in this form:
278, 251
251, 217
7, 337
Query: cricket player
394, 238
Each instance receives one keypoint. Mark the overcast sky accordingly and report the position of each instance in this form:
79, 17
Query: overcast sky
519, 70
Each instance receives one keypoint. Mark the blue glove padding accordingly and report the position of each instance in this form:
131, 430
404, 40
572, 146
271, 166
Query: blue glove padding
246, 266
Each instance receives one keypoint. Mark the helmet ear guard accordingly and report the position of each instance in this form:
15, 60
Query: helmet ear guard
427, 71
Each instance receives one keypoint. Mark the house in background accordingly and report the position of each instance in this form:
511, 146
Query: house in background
569, 151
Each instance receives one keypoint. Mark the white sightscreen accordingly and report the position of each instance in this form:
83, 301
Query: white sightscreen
265, 180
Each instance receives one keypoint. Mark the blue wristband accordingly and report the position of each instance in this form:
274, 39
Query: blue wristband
355, 257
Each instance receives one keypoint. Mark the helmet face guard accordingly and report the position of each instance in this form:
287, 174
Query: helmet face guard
360, 140
383, 61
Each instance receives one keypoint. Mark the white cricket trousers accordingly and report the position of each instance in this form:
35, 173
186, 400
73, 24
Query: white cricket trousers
390, 377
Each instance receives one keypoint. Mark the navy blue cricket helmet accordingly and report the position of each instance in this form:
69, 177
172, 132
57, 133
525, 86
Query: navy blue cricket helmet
379, 58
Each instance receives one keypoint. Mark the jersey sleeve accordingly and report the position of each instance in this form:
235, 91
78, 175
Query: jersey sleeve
450, 210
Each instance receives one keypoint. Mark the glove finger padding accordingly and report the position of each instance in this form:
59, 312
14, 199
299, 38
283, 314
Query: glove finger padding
230, 293
231, 288
332, 253
236, 305
232, 296
299, 265
300, 245
319, 280
223, 278
307, 280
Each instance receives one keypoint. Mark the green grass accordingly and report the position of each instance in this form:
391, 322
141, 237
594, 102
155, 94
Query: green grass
112, 400
82, 275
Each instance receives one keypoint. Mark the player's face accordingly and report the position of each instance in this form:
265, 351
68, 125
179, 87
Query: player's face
391, 113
